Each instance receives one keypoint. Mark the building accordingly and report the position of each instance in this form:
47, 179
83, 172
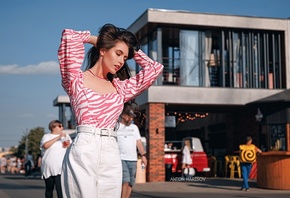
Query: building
225, 77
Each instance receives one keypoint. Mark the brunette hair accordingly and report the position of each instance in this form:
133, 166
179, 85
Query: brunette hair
108, 36
53, 124
130, 108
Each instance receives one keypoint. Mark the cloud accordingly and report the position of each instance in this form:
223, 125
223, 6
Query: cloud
50, 67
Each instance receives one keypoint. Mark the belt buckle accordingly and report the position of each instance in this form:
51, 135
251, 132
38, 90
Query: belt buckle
103, 134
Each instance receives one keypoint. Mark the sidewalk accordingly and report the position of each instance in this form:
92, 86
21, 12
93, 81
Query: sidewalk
204, 187
15, 186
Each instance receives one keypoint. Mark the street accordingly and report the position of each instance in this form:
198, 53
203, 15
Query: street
15, 186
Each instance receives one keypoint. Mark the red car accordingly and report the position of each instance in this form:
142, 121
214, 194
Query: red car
173, 158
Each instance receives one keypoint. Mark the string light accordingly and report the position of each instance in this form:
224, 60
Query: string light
183, 117
180, 117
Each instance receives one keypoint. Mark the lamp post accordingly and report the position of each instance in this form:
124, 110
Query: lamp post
26, 141
26, 145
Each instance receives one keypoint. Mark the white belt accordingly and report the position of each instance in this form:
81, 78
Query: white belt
96, 131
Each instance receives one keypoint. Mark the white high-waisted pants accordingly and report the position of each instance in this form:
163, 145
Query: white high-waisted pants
92, 168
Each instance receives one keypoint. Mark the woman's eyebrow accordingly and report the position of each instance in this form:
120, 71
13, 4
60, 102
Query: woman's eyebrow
119, 50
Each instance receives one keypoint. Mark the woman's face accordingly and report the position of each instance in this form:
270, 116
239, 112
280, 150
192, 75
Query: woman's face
114, 58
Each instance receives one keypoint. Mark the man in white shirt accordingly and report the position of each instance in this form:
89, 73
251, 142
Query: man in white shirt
128, 140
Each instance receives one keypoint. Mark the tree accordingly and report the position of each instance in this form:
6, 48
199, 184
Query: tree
34, 137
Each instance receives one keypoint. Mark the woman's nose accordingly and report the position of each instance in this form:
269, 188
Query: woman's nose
121, 61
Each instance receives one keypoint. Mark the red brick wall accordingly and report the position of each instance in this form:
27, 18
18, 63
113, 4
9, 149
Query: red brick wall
156, 139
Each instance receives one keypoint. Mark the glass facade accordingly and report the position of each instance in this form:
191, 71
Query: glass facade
219, 57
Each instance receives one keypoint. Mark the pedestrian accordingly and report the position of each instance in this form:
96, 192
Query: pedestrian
92, 165
13, 165
247, 157
186, 158
19, 164
53, 147
28, 164
170, 145
129, 139
37, 167
3, 163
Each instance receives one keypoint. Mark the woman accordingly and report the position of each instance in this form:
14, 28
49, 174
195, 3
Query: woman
186, 158
92, 165
53, 151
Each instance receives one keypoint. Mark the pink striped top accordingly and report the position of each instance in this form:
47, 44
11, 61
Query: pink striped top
91, 108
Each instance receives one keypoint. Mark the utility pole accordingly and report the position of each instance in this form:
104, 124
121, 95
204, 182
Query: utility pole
26, 142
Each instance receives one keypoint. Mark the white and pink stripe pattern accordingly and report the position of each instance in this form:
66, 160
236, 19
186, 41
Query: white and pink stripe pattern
91, 108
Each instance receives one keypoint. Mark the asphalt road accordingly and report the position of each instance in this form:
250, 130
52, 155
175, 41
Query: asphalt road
18, 186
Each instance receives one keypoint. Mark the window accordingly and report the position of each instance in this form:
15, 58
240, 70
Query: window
222, 58
278, 137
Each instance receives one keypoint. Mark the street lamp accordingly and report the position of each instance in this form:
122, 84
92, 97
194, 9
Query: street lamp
259, 116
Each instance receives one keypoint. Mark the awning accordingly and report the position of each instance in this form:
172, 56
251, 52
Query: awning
272, 104
282, 98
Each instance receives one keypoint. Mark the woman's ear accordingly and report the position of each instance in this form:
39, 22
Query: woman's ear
102, 52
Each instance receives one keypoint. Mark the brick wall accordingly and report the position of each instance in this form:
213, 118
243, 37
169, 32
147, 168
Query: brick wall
156, 139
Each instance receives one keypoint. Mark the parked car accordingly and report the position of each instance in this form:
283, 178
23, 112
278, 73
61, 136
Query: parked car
173, 157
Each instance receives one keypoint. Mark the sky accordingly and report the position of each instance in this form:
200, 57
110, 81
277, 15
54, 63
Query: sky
30, 37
